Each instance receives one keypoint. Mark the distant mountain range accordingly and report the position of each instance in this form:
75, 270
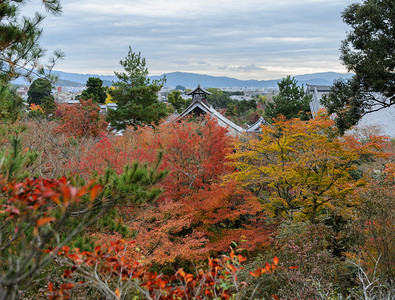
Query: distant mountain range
191, 80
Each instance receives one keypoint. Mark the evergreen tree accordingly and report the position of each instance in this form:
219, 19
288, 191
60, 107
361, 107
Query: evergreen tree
39, 90
14, 162
369, 52
135, 95
48, 106
11, 104
178, 103
95, 90
291, 102
19, 47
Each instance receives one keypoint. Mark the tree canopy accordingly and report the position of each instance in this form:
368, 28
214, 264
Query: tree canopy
94, 90
218, 99
369, 52
300, 169
292, 102
178, 103
39, 90
135, 95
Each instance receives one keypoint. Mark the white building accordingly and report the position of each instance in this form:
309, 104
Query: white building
382, 120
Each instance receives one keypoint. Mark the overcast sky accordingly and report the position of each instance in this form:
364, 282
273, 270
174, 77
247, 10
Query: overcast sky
245, 39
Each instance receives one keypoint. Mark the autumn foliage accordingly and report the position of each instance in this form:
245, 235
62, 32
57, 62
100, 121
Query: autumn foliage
197, 212
301, 168
34, 211
81, 119
173, 196
113, 274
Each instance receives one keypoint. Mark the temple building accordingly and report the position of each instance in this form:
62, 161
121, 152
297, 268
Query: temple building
200, 106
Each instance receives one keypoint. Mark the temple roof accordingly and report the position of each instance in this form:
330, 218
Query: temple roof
256, 127
203, 106
199, 88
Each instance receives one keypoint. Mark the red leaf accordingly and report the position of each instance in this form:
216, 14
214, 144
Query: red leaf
276, 260
66, 286
67, 273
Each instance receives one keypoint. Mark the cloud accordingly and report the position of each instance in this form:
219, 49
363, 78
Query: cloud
249, 68
218, 37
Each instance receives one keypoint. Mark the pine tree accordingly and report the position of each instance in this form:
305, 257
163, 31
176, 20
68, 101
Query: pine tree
39, 90
14, 162
291, 101
19, 48
135, 95
95, 90
10, 104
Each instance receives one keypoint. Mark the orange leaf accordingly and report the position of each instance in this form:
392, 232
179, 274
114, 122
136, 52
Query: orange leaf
43, 221
117, 293
275, 297
95, 190
256, 273
267, 267
276, 260
241, 258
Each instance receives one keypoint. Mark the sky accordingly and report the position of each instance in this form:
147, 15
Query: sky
244, 39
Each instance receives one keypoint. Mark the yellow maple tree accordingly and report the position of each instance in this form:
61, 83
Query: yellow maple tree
301, 169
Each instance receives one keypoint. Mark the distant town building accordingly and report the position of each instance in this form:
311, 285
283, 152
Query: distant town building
64, 97
105, 107
241, 97
22, 92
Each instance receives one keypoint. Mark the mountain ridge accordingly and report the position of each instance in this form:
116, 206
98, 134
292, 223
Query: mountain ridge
191, 80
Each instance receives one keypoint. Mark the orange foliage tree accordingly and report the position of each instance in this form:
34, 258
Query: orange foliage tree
197, 212
81, 119
301, 168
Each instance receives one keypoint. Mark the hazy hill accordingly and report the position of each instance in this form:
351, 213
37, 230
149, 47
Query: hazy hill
191, 80
82, 78
63, 82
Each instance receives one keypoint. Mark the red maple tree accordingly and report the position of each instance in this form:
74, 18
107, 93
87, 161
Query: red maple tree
197, 213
